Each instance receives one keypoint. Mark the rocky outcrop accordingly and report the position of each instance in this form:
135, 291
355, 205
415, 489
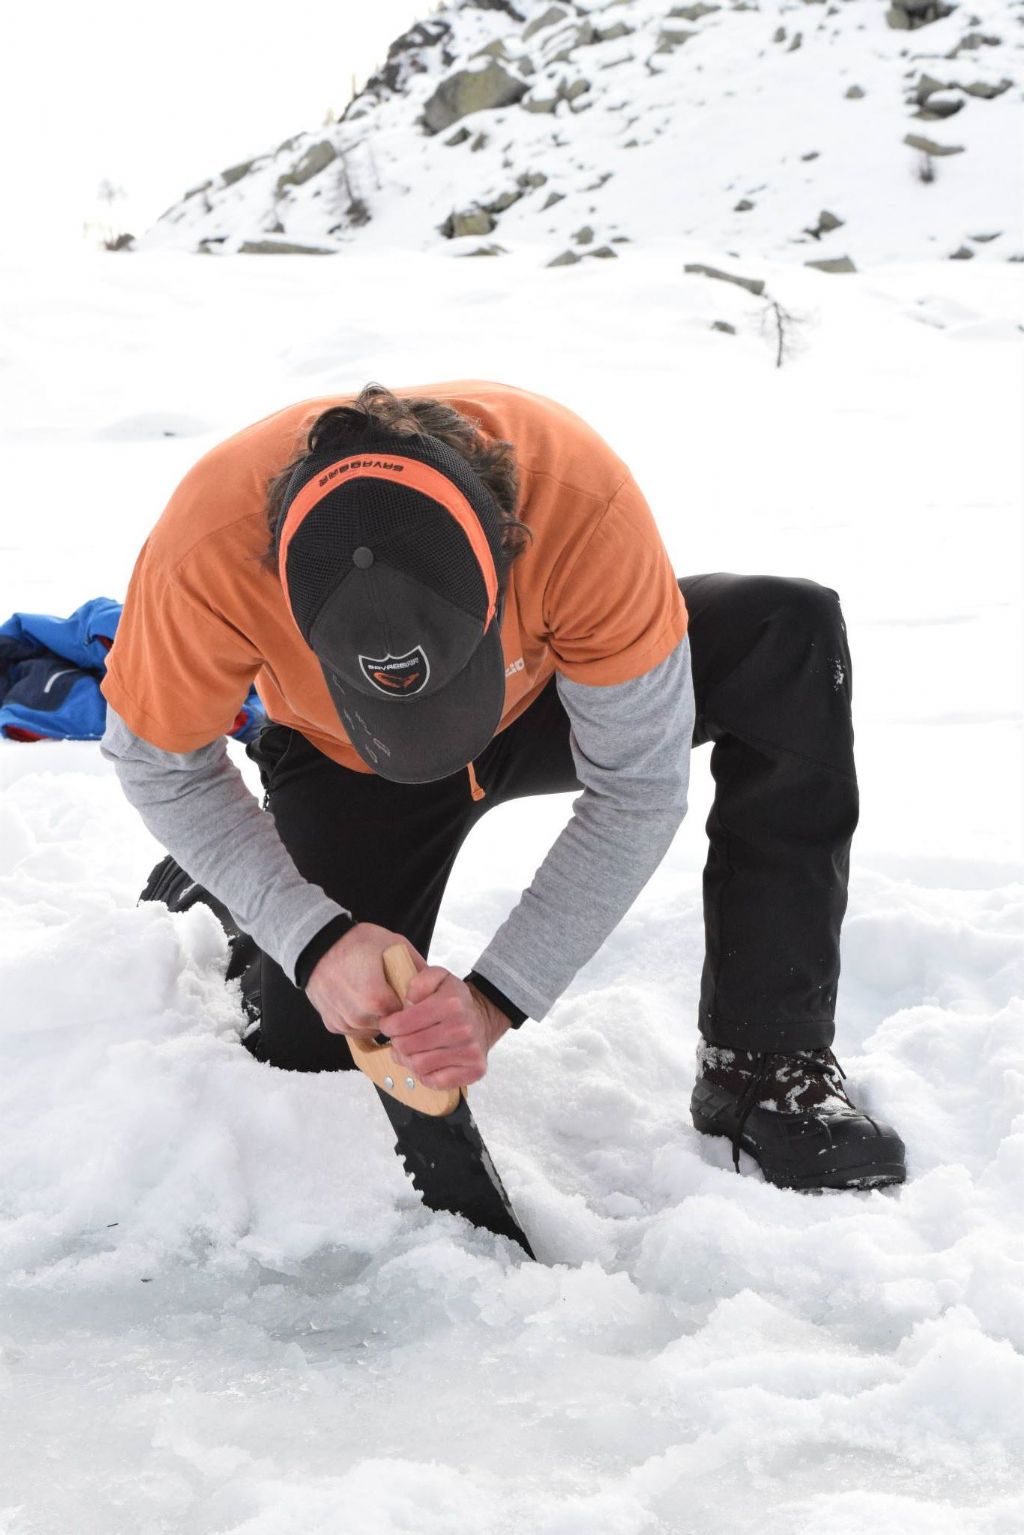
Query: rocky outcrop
471, 90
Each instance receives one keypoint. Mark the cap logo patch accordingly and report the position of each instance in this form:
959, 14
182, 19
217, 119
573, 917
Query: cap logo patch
397, 676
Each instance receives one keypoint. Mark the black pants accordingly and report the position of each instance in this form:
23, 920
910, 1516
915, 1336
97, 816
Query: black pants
772, 682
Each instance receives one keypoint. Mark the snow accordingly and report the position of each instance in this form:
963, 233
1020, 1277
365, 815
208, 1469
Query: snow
225, 1310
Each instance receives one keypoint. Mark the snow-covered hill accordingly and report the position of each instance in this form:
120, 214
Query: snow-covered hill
849, 132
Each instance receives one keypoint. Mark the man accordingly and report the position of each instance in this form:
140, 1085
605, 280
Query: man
454, 595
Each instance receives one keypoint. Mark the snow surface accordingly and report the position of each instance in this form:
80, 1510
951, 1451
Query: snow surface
224, 1308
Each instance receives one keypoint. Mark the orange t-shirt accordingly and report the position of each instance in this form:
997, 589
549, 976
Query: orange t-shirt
593, 595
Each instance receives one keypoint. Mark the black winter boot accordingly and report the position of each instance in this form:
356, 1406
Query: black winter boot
791, 1112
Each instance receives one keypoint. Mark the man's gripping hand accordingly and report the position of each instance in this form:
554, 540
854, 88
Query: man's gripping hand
444, 1032
348, 986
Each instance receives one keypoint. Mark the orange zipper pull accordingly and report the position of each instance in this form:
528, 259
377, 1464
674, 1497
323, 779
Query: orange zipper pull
474, 787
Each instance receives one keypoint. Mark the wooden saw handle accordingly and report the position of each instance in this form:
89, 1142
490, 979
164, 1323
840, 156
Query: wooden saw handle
378, 1062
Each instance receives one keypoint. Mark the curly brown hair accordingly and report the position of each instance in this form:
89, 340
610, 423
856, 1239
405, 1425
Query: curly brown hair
347, 427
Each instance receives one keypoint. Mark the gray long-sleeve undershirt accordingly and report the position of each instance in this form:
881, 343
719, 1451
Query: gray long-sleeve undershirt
631, 746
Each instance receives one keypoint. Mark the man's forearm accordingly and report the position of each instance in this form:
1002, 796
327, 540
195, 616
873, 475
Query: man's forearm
631, 745
197, 806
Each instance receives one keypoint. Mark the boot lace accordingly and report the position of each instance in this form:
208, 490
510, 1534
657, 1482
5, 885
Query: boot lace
820, 1063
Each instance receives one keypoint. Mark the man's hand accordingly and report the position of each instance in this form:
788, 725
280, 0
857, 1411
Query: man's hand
445, 1030
348, 986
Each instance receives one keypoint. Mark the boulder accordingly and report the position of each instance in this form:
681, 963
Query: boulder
471, 221
548, 18
485, 250
855, 93
835, 264
505, 200
730, 330
605, 252
231, 175
471, 90
567, 258
609, 34
280, 248
584, 235
908, 15
530, 180
930, 147
552, 198
963, 254
986, 89
693, 12
940, 105
743, 206
316, 159
668, 40
459, 136
752, 284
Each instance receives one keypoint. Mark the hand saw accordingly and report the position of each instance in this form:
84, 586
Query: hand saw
436, 1134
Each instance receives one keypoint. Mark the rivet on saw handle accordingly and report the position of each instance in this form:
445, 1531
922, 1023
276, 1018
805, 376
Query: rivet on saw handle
378, 1062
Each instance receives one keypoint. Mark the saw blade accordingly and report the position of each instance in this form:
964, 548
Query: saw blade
451, 1167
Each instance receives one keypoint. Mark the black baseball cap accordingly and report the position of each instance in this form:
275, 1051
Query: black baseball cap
391, 562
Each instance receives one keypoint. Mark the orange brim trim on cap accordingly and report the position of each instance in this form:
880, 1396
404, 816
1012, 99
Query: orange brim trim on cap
400, 471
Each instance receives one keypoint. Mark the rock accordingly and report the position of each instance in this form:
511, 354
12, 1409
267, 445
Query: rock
730, 330
939, 106
908, 15
984, 239
485, 250
495, 49
925, 87
204, 186
985, 89
835, 264
505, 200
232, 174
121, 242
609, 34
280, 248
578, 88
530, 180
316, 159
405, 58
540, 103
604, 251
548, 18
459, 136
584, 235
693, 12
478, 143
855, 93
930, 147
552, 198
972, 40
471, 221
752, 284
496, 5
828, 221
743, 206
471, 90
779, 35
963, 254
798, 38
567, 258
669, 41
581, 36
811, 154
